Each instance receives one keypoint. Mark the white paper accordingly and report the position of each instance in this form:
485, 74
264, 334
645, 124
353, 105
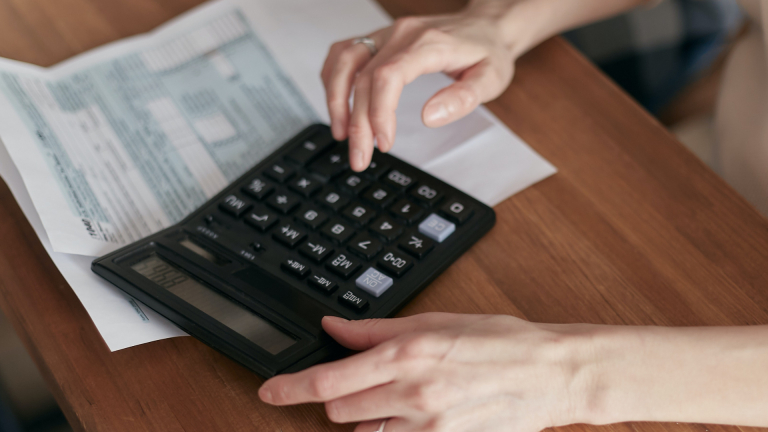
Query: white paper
120, 320
478, 154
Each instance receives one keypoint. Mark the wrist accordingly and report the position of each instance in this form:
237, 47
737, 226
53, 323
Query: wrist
520, 25
596, 360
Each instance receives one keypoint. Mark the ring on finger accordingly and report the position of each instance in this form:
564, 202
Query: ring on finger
381, 426
368, 42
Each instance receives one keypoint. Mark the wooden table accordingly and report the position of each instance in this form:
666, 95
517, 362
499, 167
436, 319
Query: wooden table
632, 230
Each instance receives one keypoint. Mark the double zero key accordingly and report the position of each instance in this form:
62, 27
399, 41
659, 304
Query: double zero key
394, 262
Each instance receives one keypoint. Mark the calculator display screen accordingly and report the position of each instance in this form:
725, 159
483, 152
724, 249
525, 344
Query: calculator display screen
215, 305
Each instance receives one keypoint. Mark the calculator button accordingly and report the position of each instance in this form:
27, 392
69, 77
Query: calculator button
234, 205
365, 246
374, 282
354, 183
416, 245
258, 247
296, 268
379, 196
261, 218
338, 231
359, 213
258, 188
332, 199
289, 235
405, 209
427, 194
350, 300
436, 228
310, 149
457, 211
331, 164
395, 262
311, 217
343, 265
322, 283
279, 172
284, 202
377, 168
305, 186
315, 251
386, 228
399, 180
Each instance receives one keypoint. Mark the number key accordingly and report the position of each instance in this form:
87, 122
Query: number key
386, 228
365, 246
332, 199
456, 210
311, 217
399, 180
427, 194
359, 213
404, 209
338, 231
379, 196
354, 183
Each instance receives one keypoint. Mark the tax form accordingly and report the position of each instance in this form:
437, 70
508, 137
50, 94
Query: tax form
130, 145
128, 138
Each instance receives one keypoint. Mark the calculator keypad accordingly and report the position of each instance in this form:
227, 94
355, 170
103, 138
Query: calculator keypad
349, 238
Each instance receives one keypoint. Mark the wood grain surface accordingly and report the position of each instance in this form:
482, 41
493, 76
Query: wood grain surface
632, 230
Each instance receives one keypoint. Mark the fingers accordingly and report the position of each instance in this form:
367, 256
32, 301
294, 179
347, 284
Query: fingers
359, 130
387, 83
365, 334
330, 380
344, 60
479, 83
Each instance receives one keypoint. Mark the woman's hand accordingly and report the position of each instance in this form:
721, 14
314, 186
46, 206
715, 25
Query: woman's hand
477, 47
447, 372
468, 46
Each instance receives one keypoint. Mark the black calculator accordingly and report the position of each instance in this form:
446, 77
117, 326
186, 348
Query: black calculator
300, 236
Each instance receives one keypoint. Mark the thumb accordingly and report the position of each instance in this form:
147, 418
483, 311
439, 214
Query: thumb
361, 335
478, 84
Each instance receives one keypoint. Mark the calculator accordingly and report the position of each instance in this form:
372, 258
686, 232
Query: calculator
300, 236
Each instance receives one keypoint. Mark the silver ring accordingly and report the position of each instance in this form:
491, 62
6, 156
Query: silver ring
368, 42
381, 426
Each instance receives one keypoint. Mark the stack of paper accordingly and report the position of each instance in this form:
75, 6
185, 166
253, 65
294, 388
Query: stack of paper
127, 139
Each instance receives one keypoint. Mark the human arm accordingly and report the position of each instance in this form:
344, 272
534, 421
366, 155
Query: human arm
435, 372
476, 46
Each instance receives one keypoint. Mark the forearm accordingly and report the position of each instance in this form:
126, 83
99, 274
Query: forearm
523, 24
697, 374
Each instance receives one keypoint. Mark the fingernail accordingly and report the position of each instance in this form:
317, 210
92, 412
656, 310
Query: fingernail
357, 159
337, 130
382, 142
265, 394
436, 113
335, 319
